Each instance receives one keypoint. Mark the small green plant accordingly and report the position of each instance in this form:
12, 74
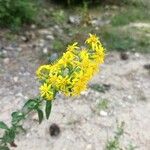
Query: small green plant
58, 45
18, 117
15, 13
103, 104
131, 14
126, 38
69, 75
114, 143
117, 40
59, 16
72, 2
99, 87
131, 147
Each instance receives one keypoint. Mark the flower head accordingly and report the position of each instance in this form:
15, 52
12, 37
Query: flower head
46, 91
93, 40
72, 47
71, 73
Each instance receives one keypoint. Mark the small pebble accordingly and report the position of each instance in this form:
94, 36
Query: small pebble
137, 55
45, 50
54, 130
6, 61
74, 20
15, 79
13, 144
124, 56
85, 93
24, 39
19, 49
49, 37
33, 26
40, 43
147, 66
53, 57
89, 147
103, 113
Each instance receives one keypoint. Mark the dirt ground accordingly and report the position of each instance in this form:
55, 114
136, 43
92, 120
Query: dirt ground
83, 125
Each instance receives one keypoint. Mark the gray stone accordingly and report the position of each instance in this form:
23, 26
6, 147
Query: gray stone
53, 57
74, 20
50, 37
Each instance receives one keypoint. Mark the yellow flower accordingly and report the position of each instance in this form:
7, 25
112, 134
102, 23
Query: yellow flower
98, 57
78, 88
72, 47
53, 80
42, 71
46, 91
84, 54
92, 40
63, 82
71, 73
66, 59
84, 64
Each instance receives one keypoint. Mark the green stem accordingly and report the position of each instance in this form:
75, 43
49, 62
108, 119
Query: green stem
10, 133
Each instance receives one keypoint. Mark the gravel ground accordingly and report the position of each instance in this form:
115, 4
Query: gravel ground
83, 125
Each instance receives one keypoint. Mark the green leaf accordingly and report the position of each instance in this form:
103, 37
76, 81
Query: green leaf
9, 136
48, 108
4, 148
3, 125
40, 115
17, 117
31, 104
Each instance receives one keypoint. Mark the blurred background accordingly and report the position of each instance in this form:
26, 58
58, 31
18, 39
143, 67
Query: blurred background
35, 32
122, 24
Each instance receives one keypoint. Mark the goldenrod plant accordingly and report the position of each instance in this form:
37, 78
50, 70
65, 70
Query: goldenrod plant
69, 75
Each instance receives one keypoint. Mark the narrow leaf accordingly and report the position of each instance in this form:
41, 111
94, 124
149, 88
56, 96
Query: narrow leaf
3, 125
48, 108
40, 115
17, 117
31, 104
9, 136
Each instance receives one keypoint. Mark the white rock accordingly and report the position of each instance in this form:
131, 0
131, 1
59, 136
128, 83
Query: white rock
137, 55
41, 43
33, 26
74, 20
58, 29
23, 38
4, 52
85, 93
28, 135
19, 95
129, 97
6, 60
44, 32
45, 50
19, 49
49, 37
103, 113
15, 79
89, 147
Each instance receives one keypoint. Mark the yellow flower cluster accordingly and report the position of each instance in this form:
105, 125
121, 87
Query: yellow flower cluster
71, 73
